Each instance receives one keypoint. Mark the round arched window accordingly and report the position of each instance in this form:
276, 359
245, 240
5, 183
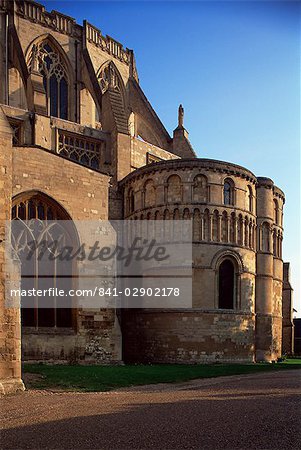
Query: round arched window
226, 285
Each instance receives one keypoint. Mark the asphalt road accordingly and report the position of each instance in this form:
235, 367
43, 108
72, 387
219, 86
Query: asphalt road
259, 411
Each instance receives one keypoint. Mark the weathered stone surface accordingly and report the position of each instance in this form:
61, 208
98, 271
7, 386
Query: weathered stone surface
108, 156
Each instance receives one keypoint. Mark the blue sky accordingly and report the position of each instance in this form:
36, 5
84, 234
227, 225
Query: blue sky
235, 67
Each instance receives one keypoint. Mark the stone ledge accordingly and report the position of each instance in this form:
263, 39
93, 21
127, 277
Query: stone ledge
186, 163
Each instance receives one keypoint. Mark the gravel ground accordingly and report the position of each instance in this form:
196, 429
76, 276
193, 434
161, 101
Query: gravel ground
260, 411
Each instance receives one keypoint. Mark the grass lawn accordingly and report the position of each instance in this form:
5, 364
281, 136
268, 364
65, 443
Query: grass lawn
105, 378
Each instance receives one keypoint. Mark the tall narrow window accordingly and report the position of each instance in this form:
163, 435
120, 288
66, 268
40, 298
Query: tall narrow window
228, 192
276, 212
250, 198
226, 285
50, 65
31, 216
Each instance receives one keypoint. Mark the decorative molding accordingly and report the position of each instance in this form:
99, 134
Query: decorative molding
106, 43
36, 13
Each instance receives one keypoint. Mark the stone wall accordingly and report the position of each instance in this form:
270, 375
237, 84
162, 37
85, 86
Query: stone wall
83, 193
143, 153
193, 190
193, 336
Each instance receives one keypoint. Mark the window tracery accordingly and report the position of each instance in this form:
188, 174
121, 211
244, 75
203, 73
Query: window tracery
81, 149
37, 219
50, 65
109, 78
228, 192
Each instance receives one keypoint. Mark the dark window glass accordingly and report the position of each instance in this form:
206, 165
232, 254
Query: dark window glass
226, 285
41, 211
63, 99
42, 311
55, 81
31, 210
227, 193
53, 96
22, 211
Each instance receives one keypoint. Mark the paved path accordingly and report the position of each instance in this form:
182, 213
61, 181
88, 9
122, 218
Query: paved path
259, 411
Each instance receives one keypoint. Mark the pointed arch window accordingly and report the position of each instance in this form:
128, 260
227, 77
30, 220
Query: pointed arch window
55, 79
109, 77
34, 216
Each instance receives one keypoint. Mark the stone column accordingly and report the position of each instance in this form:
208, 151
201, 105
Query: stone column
235, 230
202, 227
246, 232
219, 226
228, 228
210, 227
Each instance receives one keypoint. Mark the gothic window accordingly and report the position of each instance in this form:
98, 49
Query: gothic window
200, 189
35, 215
226, 285
86, 151
250, 198
109, 77
228, 192
55, 79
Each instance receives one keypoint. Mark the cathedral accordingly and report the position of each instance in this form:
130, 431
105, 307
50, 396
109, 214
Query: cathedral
81, 142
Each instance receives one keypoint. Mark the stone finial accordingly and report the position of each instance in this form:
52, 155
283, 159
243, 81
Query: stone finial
181, 116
